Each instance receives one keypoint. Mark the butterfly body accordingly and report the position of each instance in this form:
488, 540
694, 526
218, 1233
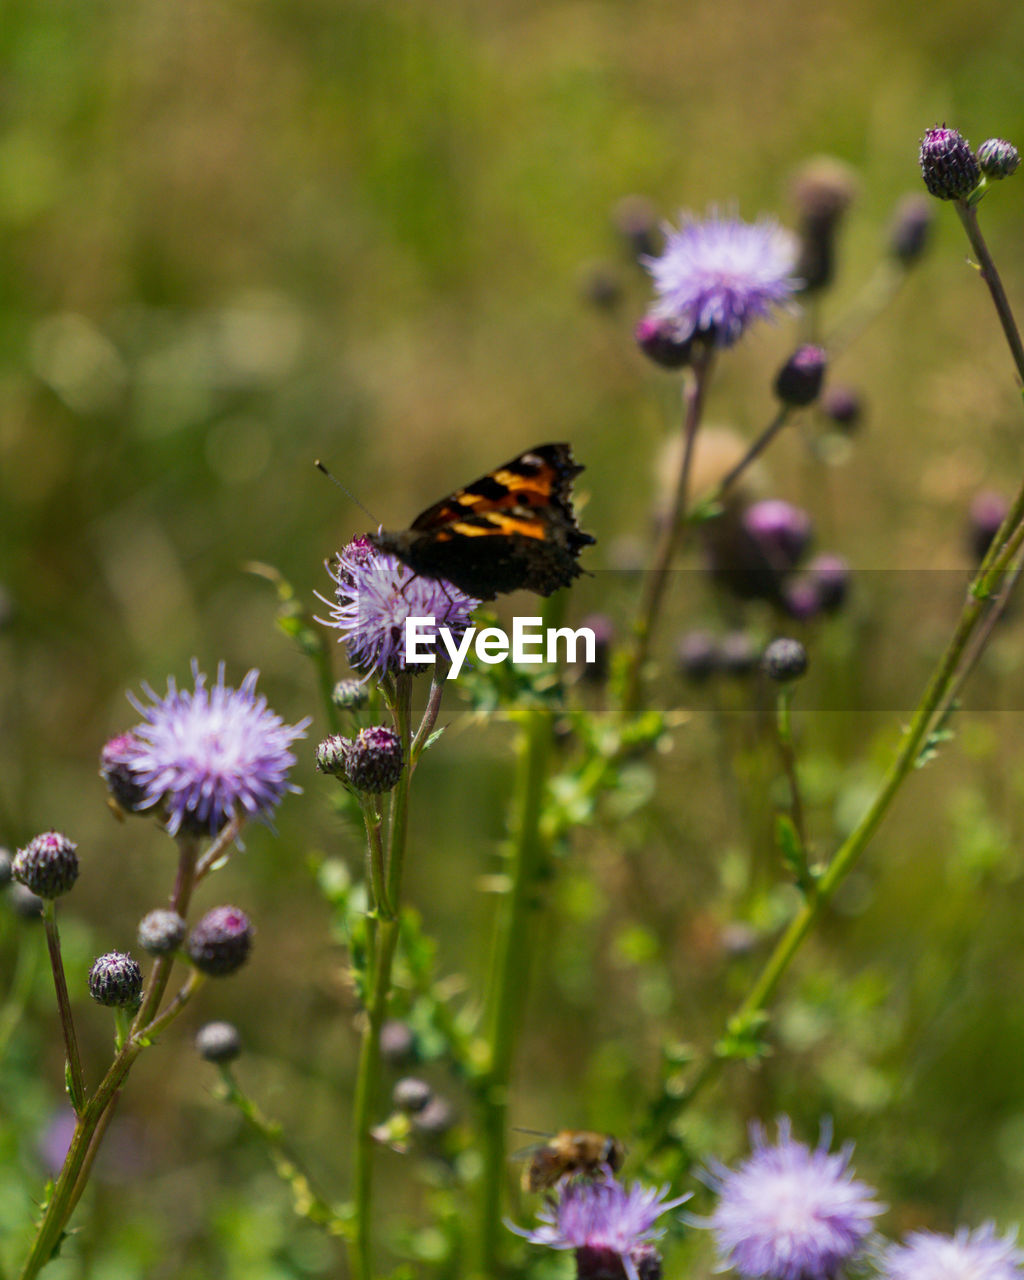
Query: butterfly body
512, 528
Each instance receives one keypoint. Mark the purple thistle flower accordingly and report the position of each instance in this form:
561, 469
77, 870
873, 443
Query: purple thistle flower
790, 1213
968, 1255
600, 1218
719, 275
207, 753
374, 594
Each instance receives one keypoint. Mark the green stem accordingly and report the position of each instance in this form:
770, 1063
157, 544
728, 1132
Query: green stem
367, 1077
70, 1183
507, 985
188, 852
399, 816
307, 1201
990, 274
753, 453
669, 541
383, 936
787, 751
430, 712
76, 1084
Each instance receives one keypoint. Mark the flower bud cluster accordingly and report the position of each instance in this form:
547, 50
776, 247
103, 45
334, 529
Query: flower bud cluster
371, 762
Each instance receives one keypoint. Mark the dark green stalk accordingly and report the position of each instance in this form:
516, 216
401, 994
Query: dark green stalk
932, 704
670, 540
188, 852
70, 1184
756, 449
507, 979
383, 934
990, 274
306, 1200
75, 1082
787, 751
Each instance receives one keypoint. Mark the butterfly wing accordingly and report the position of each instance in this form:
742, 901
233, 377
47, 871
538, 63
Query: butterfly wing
512, 528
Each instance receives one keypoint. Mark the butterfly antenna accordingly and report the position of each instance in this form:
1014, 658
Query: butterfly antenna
346, 491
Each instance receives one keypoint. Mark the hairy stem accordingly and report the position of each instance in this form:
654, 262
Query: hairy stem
670, 540
76, 1084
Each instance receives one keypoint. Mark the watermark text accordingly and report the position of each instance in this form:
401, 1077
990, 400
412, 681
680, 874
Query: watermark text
529, 642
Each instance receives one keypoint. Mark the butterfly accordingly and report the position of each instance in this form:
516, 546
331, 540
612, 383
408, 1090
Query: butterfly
513, 528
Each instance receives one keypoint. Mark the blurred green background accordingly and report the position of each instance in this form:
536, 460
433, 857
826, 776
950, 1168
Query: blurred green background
238, 236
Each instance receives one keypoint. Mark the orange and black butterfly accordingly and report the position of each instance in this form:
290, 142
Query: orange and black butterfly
513, 528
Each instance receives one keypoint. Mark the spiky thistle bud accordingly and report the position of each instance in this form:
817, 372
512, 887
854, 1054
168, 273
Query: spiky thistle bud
115, 980
350, 695
998, 158
48, 865
948, 164
330, 755
373, 759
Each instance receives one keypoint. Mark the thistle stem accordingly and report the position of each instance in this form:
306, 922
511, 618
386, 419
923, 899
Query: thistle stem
670, 539
507, 981
990, 274
188, 852
76, 1084
383, 934
85, 1141
933, 703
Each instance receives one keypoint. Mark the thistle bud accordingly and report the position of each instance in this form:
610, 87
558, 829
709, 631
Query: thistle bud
330, 755
781, 530
697, 656
738, 654
822, 191
798, 382
115, 980
948, 164
988, 511
411, 1095
350, 695
844, 406
373, 759
997, 158
48, 865
221, 941
218, 1042
161, 932
911, 226
830, 575
784, 660
116, 771
436, 1118
637, 223
656, 339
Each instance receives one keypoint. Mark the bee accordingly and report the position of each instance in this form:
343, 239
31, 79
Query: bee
571, 1153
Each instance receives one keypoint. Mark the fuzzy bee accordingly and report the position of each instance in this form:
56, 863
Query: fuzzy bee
571, 1153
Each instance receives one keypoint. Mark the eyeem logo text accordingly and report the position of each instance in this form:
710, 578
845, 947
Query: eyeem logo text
530, 641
